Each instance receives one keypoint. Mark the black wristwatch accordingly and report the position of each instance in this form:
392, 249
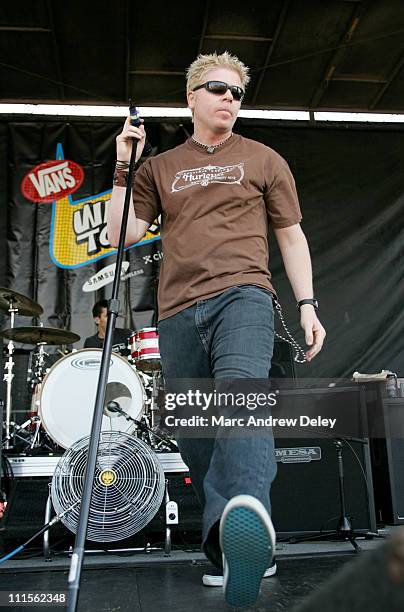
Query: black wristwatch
311, 301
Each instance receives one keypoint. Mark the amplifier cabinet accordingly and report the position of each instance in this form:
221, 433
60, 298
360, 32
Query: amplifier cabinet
305, 493
386, 420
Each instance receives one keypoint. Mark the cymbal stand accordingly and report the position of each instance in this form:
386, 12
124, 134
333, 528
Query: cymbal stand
39, 363
36, 380
9, 375
152, 389
36, 364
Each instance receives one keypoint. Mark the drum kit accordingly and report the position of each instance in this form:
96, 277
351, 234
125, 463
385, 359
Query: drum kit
63, 396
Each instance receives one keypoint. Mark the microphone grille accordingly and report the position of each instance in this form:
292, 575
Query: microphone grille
134, 115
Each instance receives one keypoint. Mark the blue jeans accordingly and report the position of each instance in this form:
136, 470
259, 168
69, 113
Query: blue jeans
229, 336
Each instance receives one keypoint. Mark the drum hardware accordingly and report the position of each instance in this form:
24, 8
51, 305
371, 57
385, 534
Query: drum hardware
154, 394
17, 428
14, 303
152, 386
35, 436
32, 440
36, 365
8, 379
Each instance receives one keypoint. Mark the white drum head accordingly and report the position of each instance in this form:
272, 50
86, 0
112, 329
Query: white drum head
68, 396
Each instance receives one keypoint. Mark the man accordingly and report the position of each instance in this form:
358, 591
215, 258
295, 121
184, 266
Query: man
217, 193
120, 337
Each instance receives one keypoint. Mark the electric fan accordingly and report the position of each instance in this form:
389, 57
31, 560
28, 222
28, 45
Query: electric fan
128, 486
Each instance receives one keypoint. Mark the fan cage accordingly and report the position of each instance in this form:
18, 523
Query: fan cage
120, 508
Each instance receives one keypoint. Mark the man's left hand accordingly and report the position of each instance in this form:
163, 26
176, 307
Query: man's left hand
313, 330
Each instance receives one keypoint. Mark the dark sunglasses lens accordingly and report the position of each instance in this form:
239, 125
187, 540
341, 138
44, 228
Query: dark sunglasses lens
216, 87
220, 88
236, 92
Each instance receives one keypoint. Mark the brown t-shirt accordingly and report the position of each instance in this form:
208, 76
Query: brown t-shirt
215, 209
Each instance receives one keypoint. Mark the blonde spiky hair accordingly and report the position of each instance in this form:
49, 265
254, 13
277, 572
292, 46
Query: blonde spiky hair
204, 63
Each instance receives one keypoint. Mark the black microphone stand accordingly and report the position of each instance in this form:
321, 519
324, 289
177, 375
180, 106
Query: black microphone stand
343, 530
344, 527
78, 551
140, 426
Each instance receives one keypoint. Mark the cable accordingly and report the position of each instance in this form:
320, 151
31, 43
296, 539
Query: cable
22, 546
359, 461
7, 479
7, 469
327, 436
52, 522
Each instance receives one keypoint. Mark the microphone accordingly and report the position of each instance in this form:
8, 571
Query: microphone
135, 120
134, 114
114, 407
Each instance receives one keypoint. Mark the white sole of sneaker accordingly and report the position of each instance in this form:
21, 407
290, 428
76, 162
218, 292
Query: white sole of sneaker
247, 540
210, 580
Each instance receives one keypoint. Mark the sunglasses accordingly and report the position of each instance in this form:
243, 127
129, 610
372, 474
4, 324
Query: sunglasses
220, 88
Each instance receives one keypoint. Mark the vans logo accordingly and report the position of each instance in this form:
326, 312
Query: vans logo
78, 231
52, 180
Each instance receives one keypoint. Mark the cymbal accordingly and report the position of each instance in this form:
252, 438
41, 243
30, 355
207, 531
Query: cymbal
35, 335
24, 304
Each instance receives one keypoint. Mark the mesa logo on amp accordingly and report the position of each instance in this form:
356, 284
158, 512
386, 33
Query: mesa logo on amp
52, 180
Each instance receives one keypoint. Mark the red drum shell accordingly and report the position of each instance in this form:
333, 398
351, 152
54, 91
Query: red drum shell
145, 349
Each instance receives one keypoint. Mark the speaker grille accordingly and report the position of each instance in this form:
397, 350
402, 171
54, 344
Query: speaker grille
305, 496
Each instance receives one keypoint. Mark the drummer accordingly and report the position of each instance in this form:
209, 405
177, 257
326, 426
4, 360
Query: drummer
120, 337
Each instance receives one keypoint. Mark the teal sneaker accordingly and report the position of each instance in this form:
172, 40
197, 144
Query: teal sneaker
247, 540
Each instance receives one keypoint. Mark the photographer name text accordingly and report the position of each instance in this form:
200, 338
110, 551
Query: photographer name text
250, 421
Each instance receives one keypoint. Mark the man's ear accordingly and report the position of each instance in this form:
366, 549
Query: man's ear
191, 99
97, 320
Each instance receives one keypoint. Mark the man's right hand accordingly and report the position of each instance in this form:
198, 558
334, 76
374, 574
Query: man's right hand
136, 228
124, 141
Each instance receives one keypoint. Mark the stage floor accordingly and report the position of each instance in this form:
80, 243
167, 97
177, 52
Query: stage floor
174, 586
138, 582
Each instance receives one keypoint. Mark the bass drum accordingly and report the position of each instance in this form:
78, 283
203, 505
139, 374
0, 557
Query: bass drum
69, 390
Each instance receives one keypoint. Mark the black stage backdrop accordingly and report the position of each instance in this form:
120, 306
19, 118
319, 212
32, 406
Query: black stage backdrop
350, 183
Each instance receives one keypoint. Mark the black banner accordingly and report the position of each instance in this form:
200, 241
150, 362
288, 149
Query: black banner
350, 183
